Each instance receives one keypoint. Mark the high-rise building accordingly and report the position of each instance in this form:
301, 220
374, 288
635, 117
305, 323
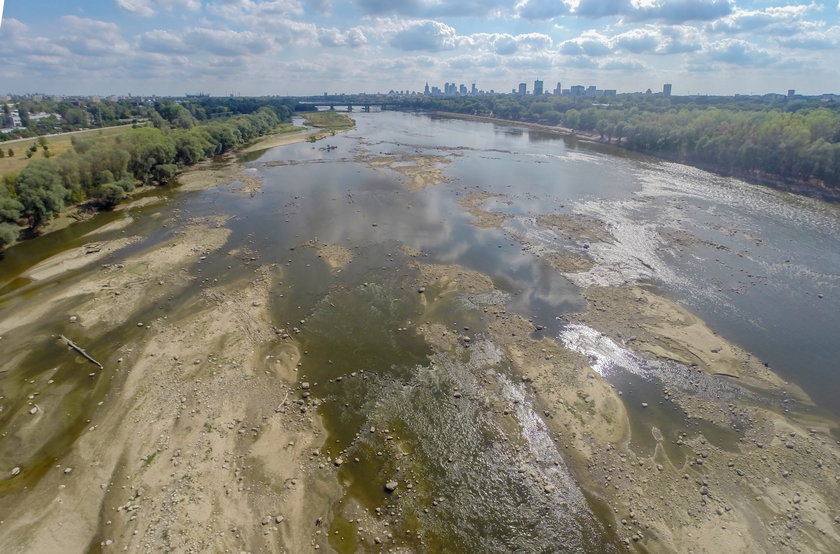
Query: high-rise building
791, 92
473, 90
577, 90
558, 90
523, 89
426, 90
538, 88
462, 89
666, 90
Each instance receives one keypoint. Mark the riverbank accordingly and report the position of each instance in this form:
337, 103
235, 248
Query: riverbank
800, 187
203, 175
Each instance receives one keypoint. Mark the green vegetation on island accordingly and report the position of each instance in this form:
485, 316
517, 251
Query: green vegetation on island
329, 120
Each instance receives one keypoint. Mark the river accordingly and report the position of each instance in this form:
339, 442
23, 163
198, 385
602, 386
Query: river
477, 464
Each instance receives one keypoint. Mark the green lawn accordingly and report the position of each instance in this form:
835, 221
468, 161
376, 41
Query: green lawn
56, 144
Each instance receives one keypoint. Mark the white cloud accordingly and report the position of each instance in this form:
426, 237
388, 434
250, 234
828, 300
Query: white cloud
814, 40
669, 11
590, 43
505, 44
428, 35
91, 37
331, 36
738, 52
540, 10
622, 65
784, 20
253, 12
162, 42
148, 8
433, 8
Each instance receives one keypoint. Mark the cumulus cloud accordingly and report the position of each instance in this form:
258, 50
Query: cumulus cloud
148, 8
331, 36
783, 20
738, 52
432, 8
251, 11
590, 43
162, 42
541, 10
669, 11
91, 37
622, 65
815, 40
654, 39
638, 41
602, 8
226, 42
505, 44
428, 35
680, 11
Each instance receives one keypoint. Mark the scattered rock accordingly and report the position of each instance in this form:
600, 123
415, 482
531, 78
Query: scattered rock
391, 486
15, 471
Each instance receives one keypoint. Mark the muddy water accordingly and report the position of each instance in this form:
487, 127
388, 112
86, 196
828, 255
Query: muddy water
475, 466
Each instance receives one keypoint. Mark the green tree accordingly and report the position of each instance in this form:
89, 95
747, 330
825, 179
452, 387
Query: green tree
11, 153
40, 191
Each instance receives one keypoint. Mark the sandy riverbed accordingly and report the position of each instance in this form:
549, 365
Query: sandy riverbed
205, 440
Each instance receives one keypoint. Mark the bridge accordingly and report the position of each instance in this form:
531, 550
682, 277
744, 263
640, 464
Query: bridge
365, 106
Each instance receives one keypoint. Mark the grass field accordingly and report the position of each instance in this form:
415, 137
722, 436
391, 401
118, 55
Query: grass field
56, 144
328, 120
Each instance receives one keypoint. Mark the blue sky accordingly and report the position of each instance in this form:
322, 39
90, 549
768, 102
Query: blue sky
254, 47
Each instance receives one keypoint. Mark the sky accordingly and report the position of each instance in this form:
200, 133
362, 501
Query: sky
302, 47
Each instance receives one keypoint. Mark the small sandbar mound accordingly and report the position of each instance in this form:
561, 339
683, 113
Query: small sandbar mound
421, 170
117, 225
76, 258
337, 257
453, 278
662, 328
578, 227
139, 203
207, 175
483, 218
566, 262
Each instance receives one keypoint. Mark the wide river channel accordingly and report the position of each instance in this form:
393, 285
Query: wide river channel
760, 267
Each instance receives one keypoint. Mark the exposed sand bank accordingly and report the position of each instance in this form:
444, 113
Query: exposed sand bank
751, 498
420, 170
201, 444
483, 218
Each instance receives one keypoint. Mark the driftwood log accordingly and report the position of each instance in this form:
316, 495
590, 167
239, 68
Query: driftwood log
81, 351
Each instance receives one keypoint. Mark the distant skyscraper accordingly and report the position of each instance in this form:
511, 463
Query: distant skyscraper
462, 90
538, 88
791, 92
523, 89
577, 90
558, 90
426, 90
474, 90
666, 90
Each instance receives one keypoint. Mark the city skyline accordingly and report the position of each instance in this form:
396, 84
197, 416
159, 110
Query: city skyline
307, 47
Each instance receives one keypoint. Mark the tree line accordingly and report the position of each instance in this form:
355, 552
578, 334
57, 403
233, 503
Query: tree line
794, 139
102, 172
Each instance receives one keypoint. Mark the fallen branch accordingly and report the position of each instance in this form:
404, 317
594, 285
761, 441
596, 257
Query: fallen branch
81, 351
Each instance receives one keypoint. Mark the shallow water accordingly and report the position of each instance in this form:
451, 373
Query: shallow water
765, 273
